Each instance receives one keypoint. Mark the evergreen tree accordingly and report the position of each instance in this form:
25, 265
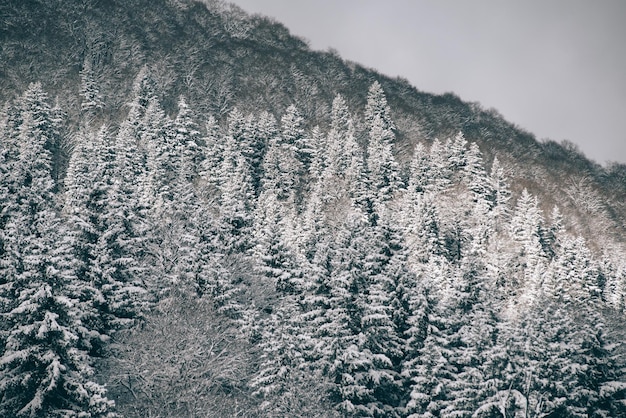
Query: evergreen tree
341, 127
432, 370
294, 135
281, 169
213, 150
86, 189
9, 185
343, 174
266, 130
419, 168
280, 368
382, 167
241, 135
236, 199
161, 156
525, 228
614, 274
370, 383
551, 236
186, 137
500, 193
313, 222
377, 107
422, 227
458, 155
143, 91
355, 175
123, 241
544, 367
439, 172
44, 368
353, 389
476, 355
323, 308
276, 258
475, 174
319, 154
92, 100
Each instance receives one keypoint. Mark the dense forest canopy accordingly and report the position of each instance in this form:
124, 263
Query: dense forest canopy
199, 216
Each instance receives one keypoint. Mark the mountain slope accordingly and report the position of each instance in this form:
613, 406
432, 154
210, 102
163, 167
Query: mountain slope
199, 216
218, 58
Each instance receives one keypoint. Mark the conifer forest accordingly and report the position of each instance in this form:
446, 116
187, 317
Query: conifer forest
202, 217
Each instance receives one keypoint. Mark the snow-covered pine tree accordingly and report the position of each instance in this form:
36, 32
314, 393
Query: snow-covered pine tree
342, 166
87, 182
318, 153
377, 106
440, 173
367, 365
334, 145
239, 130
284, 380
458, 157
357, 183
45, 369
350, 364
265, 130
92, 100
186, 138
281, 170
9, 184
313, 222
430, 370
450, 373
422, 227
212, 153
477, 356
382, 167
160, 157
123, 242
275, 256
419, 170
552, 234
525, 229
390, 298
500, 193
293, 133
613, 273
475, 174
236, 199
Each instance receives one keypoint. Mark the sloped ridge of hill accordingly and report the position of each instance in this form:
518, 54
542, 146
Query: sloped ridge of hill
199, 216
218, 57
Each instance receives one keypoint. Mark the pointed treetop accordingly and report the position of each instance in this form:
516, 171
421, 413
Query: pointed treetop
266, 126
458, 150
236, 122
184, 112
340, 115
377, 107
291, 124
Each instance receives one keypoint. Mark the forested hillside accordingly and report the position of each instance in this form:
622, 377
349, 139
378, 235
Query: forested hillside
199, 216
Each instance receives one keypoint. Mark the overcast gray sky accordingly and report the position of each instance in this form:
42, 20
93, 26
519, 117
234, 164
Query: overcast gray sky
557, 68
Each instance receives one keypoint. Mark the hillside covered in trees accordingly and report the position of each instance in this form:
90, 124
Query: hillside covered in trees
199, 216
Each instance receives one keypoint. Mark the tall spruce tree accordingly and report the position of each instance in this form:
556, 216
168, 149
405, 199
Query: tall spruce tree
382, 167
236, 199
45, 368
